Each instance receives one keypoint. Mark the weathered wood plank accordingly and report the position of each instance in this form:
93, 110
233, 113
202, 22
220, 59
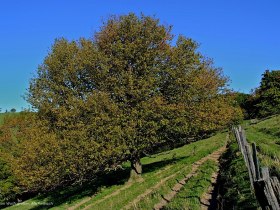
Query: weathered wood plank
268, 189
256, 161
276, 187
251, 167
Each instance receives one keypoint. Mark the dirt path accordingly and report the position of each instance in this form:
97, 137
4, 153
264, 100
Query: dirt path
207, 197
177, 187
158, 185
110, 195
148, 191
214, 156
80, 203
129, 184
99, 201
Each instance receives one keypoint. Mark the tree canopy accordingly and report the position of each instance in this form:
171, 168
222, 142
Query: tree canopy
115, 97
264, 100
268, 102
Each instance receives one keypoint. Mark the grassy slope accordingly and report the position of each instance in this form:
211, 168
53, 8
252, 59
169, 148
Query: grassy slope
266, 135
235, 188
114, 192
189, 196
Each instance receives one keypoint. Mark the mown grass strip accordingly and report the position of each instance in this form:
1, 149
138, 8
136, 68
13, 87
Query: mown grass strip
190, 194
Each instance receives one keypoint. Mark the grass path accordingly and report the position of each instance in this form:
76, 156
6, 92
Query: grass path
207, 197
149, 191
111, 195
118, 191
177, 187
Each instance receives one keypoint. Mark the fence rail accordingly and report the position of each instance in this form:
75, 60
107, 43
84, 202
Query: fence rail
266, 188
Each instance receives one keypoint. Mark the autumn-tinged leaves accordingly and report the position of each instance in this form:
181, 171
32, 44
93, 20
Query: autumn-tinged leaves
114, 97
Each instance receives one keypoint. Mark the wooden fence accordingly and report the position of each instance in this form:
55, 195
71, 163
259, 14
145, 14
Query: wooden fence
266, 188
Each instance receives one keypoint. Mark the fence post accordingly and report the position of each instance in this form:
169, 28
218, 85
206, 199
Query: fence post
268, 190
251, 166
237, 136
276, 187
256, 161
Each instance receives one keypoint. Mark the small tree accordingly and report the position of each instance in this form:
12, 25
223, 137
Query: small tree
13, 110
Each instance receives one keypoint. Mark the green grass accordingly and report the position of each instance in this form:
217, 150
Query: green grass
189, 196
266, 135
235, 188
155, 169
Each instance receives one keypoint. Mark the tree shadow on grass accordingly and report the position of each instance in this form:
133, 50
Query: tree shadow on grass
71, 194
160, 164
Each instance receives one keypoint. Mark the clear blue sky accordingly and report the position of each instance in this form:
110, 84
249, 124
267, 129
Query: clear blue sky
242, 36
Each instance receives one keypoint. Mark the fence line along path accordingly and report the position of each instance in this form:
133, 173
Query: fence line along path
266, 188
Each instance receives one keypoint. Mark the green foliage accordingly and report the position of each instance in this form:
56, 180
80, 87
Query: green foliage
9, 186
269, 94
199, 91
49, 159
247, 103
102, 101
264, 100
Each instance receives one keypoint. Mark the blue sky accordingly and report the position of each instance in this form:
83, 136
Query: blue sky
243, 37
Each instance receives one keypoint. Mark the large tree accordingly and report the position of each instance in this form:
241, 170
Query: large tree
129, 90
136, 53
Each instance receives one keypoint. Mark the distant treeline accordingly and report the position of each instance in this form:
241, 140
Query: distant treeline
264, 100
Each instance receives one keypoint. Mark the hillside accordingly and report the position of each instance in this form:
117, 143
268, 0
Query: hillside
176, 179
266, 135
194, 163
235, 189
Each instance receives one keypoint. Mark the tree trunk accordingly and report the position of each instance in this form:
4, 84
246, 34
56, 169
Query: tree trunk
136, 169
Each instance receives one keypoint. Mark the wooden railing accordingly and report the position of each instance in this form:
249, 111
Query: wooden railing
266, 188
